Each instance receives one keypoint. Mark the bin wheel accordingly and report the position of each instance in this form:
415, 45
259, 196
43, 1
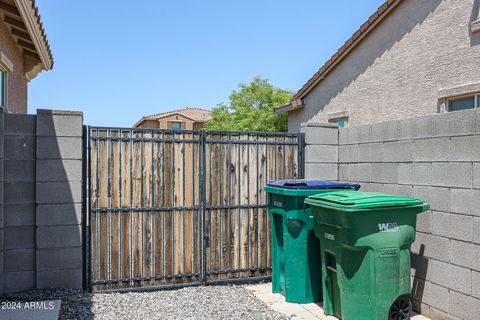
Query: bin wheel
401, 309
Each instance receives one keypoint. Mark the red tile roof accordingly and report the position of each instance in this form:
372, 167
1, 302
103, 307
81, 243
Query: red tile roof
355, 39
195, 114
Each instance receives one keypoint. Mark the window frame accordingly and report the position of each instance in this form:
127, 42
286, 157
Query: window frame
476, 101
4, 86
334, 120
172, 123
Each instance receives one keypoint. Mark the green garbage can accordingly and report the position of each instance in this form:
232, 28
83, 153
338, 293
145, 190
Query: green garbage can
295, 249
365, 241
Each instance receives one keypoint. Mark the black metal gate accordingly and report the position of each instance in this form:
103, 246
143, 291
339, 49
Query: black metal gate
168, 208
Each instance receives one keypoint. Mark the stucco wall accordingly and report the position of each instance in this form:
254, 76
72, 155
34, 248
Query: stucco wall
16, 81
165, 123
399, 69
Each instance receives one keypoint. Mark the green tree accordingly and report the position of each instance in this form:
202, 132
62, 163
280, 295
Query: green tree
250, 108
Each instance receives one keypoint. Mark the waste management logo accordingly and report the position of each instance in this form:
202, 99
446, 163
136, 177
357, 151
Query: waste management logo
388, 227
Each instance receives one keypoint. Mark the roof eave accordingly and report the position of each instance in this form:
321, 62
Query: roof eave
293, 105
32, 22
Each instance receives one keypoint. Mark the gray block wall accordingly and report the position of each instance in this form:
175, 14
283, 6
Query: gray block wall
59, 199
40, 200
321, 150
435, 158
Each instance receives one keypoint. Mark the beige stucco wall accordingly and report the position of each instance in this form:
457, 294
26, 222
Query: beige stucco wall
16, 81
165, 123
399, 69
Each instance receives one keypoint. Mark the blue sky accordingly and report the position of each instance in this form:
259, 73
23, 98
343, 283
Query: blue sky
117, 60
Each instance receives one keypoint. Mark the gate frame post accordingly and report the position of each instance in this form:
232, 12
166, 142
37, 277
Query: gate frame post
203, 201
87, 283
301, 155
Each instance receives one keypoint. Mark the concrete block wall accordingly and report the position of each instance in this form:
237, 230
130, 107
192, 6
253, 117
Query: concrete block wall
321, 150
435, 158
19, 201
59, 199
40, 200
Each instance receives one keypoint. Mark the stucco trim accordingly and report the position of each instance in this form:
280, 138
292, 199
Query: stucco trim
5, 63
470, 88
338, 115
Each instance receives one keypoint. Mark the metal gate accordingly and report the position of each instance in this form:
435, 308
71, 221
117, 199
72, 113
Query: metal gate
169, 208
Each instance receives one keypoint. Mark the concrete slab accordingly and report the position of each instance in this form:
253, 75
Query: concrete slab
309, 311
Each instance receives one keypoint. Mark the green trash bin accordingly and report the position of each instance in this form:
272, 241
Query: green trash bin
365, 241
295, 249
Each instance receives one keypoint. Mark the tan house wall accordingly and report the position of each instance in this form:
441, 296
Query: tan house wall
16, 81
165, 123
400, 69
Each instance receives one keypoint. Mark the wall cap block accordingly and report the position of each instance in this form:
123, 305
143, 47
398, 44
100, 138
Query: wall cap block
59, 112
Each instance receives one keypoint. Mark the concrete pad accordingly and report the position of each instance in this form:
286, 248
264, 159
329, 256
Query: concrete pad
309, 311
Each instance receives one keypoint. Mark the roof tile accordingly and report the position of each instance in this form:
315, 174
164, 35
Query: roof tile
196, 114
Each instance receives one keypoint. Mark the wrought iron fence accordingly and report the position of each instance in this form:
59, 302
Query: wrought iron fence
167, 208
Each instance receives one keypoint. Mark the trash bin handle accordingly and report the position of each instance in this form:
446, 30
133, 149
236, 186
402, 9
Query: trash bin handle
305, 206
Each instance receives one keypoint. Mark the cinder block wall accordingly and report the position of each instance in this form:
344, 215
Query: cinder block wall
40, 200
321, 150
435, 158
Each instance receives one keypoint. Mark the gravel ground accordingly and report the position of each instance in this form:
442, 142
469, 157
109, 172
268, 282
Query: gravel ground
209, 302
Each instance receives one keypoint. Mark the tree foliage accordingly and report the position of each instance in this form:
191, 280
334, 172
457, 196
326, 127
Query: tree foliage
250, 108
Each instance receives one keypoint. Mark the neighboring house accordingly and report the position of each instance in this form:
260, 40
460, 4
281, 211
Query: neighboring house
24, 52
411, 58
183, 119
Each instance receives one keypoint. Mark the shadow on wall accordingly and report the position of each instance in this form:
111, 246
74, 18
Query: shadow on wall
364, 58
59, 200
420, 265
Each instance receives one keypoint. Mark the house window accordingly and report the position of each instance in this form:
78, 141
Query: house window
342, 122
464, 103
3, 89
176, 125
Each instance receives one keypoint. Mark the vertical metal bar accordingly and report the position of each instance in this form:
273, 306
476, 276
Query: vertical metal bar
275, 159
194, 203
131, 208
152, 204
221, 203
258, 200
210, 203
86, 208
301, 159
142, 203
120, 215
97, 214
203, 201
248, 201
163, 204
267, 160
183, 204
173, 203
239, 211
284, 162
109, 194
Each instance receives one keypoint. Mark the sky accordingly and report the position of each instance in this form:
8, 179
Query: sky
117, 60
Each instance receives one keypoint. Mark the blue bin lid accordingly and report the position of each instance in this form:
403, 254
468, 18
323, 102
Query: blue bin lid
311, 184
